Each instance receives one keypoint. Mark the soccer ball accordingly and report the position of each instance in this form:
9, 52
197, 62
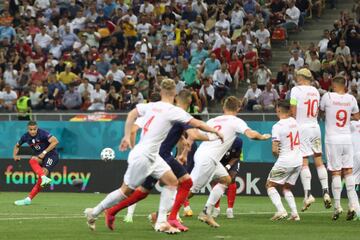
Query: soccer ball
107, 154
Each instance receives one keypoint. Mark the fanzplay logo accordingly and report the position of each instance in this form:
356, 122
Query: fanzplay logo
58, 178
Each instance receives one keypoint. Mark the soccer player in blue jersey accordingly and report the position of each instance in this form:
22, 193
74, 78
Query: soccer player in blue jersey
45, 159
174, 136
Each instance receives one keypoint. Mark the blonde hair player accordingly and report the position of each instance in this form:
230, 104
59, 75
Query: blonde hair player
304, 102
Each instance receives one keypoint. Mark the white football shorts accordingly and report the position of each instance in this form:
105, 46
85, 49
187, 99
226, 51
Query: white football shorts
310, 139
339, 156
140, 166
282, 175
205, 170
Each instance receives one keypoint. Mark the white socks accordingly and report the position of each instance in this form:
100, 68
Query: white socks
351, 193
305, 176
276, 199
131, 210
110, 200
323, 177
336, 190
289, 197
166, 202
215, 194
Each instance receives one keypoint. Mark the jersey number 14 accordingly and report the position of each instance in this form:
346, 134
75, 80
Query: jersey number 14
293, 141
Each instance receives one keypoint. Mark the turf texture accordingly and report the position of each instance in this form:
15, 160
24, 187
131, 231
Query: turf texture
55, 216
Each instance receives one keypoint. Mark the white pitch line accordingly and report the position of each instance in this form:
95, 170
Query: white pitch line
74, 216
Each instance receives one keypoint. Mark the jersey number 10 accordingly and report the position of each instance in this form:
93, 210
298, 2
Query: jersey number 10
312, 107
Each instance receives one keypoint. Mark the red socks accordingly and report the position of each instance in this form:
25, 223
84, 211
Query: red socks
135, 197
36, 167
186, 203
181, 196
36, 189
217, 205
231, 194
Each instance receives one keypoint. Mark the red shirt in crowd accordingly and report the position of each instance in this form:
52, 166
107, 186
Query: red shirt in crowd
234, 65
222, 54
325, 84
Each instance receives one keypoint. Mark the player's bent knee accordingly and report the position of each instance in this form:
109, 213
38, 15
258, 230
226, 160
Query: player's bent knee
143, 190
225, 180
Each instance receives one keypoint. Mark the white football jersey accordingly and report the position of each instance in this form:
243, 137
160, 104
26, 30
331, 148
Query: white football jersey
228, 125
157, 120
355, 135
338, 109
307, 100
286, 132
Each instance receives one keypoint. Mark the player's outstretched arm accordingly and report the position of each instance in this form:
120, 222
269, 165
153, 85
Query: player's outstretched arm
130, 120
53, 142
195, 135
15, 152
134, 130
252, 134
203, 126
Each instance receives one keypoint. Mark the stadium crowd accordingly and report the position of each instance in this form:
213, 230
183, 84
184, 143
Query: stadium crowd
110, 55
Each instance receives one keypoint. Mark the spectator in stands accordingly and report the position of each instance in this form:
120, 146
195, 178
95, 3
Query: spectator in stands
268, 99
263, 37
143, 85
222, 54
92, 74
34, 95
292, 15
199, 54
343, 50
11, 76
210, 65
328, 63
325, 81
67, 77
250, 60
98, 97
71, 98
47, 100
222, 79
324, 43
262, 75
222, 24
353, 42
85, 87
8, 98
207, 94
296, 60
113, 100
303, 6
314, 64
109, 81
189, 74
236, 70
282, 77
237, 17
251, 96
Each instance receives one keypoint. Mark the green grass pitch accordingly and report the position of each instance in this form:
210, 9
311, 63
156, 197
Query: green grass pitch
59, 216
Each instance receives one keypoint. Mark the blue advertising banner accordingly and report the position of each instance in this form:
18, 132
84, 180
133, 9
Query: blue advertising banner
85, 140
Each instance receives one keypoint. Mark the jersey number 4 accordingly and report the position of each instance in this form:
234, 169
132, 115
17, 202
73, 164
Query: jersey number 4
312, 107
147, 124
294, 141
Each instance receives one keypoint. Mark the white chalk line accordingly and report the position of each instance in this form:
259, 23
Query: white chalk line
26, 216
